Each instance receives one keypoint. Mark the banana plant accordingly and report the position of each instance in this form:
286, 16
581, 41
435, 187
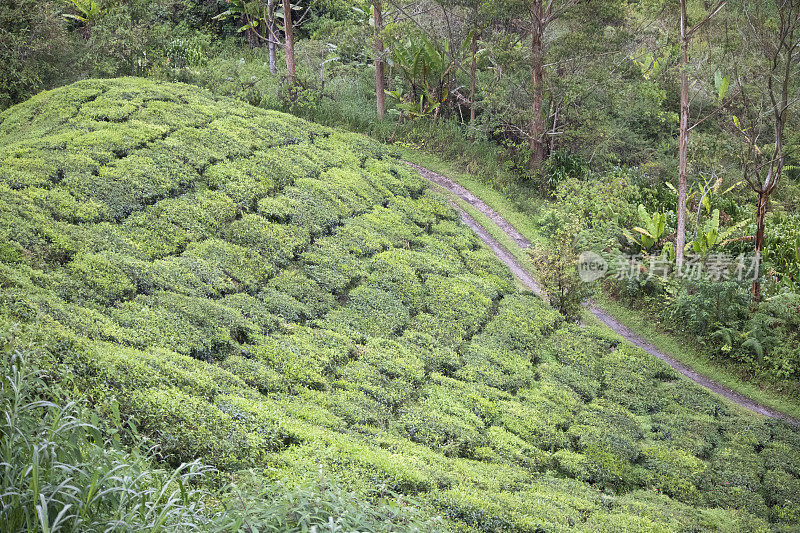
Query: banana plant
652, 228
425, 68
710, 234
411, 108
721, 84
708, 192
89, 11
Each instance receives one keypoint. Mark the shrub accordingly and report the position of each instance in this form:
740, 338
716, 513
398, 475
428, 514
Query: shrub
605, 425
673, 472
483, 264
247, 268
436, 358
695, 433
387, 371
278, 243
595, 465
631, 378
100, 278
330, 265
732, 479
398, 278
496, 366
512, 448
369, 312
459, 307
323, 504
197, 326
305, 357
522, 322
540, 416
443, 424
587, 388
375, 232
781, 489
262, 377
773, 335
187, 427
184, 274
245, 181
167, 227
782, 455
425, 210
701, 307
315, 300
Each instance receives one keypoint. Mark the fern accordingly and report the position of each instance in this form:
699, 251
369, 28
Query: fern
755, 346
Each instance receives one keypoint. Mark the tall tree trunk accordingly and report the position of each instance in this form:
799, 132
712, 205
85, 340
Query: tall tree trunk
472, 75
287, 28
798, 264
271, 34
380, 96
761, 214
683, 143
537, 85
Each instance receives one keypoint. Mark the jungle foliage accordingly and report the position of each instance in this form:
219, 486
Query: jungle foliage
266, 294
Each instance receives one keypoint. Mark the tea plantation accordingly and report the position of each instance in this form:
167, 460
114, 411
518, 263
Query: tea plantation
268, 294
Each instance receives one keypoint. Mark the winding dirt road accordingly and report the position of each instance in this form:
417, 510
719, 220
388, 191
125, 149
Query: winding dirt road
522, 274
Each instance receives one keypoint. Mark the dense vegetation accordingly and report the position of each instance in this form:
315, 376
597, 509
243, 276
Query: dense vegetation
65, 469
758, 342
266, 294
609, 102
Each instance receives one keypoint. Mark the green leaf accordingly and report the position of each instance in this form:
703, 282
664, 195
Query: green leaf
721, 84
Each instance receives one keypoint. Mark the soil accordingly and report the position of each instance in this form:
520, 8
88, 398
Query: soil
528, 281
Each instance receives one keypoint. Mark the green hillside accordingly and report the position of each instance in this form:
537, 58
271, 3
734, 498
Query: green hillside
265, 293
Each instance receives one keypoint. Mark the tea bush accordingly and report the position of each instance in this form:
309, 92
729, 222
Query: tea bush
266, 294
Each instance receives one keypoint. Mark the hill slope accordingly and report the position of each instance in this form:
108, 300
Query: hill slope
266, 293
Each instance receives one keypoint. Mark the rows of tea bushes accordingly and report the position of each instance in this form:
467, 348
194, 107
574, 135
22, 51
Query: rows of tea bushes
266, 294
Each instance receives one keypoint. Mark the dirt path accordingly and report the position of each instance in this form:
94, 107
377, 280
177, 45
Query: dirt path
502, 254
473, 200
522, 274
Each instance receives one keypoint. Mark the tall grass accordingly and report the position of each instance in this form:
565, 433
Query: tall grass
59, 474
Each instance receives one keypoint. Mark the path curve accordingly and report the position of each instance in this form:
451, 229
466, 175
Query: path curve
522, 274
473, 200
502, 254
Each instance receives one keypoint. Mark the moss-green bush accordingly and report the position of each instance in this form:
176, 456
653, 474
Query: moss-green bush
100, 278
187, 427
369, 311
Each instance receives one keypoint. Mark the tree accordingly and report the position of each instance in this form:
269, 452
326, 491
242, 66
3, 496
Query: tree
768, 90
380, 86
272, 39
686, 35
473, 75
260, 21
289, 45
542, 15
